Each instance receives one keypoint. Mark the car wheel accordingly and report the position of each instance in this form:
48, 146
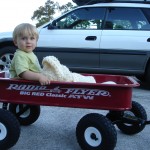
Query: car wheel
141, 78
26, 114
9, 129
96, 132
136, 112
147, 76
6, 55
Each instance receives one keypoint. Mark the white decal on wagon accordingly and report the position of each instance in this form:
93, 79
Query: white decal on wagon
74, 93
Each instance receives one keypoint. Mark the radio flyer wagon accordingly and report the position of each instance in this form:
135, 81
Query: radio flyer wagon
22, 100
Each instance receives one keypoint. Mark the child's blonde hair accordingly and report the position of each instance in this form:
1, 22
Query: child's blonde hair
25, 29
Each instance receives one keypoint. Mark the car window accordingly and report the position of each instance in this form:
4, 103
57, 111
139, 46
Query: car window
126, 19
147, 15
84, 18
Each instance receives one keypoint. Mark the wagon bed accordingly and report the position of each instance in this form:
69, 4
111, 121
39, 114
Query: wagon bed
112, 92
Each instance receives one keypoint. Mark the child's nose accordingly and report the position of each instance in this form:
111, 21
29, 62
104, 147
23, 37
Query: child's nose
28, 40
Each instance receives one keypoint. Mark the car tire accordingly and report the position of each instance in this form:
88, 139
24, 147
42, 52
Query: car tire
141, 78
9, 129
137, 111
147, 76
96, 132
6, 55
26, 114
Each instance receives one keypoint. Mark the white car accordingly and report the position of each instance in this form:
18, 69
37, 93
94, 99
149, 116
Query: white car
110, 38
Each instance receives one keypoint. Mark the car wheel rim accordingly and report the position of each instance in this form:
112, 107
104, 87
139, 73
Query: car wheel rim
5, 61
92, 136
3, 131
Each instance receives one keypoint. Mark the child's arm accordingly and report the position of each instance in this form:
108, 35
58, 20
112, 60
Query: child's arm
29, 75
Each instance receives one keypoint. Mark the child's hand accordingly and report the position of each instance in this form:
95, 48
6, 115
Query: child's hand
29, 75
43, 80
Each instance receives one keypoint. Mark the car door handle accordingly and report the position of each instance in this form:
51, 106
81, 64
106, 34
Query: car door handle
91, 38
148, 40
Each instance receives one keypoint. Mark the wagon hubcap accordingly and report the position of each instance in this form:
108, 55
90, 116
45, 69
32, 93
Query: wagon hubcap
3, 131
92, 136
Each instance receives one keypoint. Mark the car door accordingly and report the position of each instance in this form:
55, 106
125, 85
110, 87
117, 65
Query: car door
125, 40
74, 39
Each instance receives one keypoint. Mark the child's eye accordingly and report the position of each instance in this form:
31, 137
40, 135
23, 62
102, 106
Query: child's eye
23, 38
32, 38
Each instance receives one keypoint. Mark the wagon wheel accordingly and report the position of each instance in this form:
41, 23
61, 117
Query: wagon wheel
137, 112
26, 114
96, 132
9, 129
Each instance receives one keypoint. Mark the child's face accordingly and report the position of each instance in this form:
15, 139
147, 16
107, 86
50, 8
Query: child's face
26, 43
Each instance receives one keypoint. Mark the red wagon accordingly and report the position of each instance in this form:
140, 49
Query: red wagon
94, 131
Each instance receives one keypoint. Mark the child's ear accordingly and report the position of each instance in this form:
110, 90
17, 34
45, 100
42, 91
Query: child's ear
15, 42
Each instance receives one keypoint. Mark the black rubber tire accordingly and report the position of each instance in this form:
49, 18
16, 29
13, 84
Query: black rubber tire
114, 116
147, 75
137, 111
26, 114
6, 55
9, 129
141, 78
96, 132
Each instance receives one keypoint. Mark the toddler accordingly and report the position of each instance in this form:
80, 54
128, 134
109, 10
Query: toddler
25, 63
